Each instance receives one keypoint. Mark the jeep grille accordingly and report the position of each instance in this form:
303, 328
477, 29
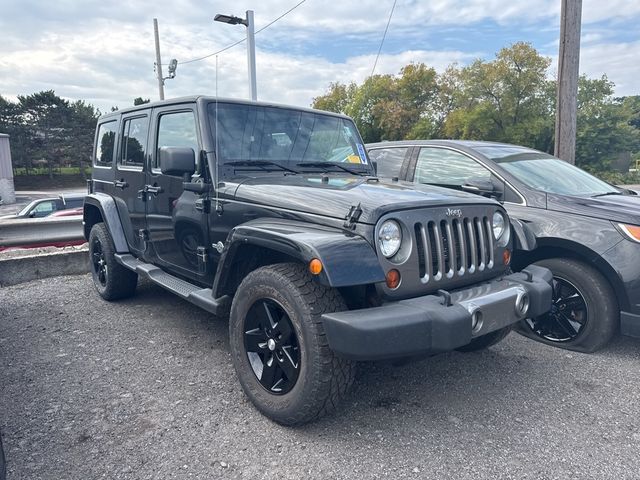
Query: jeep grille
453, 247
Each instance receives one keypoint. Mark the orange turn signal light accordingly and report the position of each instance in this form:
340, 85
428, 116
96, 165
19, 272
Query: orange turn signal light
393, 278
315, 266
506, 256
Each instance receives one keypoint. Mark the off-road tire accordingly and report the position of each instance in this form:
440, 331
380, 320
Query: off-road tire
603, 319
324, 379
486, 341
119, 282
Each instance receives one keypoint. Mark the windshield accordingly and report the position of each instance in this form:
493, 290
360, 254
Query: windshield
285, 136
545, 172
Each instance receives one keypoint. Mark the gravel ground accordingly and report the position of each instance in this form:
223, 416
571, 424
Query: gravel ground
144, 388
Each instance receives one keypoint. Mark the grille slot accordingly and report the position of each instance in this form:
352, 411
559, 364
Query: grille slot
453, 247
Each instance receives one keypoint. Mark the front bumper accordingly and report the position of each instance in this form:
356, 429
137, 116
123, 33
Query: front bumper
438, 323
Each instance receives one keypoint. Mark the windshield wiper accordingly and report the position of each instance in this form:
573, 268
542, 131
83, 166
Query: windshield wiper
261, 164
326, 166
606, 193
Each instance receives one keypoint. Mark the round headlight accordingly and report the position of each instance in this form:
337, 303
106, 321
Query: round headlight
389, 238
498, 225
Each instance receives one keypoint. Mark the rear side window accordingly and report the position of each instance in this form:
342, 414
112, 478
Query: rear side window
176, 130
388, 160
105, 143
134, 142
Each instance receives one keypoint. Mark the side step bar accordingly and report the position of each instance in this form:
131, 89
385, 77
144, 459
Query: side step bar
202, 297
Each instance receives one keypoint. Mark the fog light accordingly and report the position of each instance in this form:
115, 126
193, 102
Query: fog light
315, 266
393, 279
476, 321
522, 304
506, 256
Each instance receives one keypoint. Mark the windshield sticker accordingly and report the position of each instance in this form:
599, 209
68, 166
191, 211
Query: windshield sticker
363, 155
353, 159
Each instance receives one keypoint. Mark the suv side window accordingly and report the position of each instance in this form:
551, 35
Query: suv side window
441, 166
134, 142
388, 160
176, 129
105, 142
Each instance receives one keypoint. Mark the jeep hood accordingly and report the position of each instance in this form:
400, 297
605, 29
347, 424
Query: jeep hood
617, 208
335, 195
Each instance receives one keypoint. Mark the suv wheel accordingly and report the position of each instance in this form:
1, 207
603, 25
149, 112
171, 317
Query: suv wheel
584, 315
278, 346
112, 280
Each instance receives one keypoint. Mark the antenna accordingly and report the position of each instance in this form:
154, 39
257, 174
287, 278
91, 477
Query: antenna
215, 154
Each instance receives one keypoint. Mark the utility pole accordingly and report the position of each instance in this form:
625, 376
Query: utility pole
568, 71
158, 61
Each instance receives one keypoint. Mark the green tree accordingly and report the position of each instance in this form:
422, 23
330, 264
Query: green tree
82, 123
337, 99
140, 101
605, 126
507, 99
47, 116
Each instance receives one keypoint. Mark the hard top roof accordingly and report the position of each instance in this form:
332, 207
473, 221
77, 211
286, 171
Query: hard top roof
206, 99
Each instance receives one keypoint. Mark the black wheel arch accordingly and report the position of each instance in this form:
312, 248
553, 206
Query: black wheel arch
100, 207
347, 259
557, 247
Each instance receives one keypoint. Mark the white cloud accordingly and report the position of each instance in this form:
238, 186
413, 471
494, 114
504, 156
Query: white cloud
104, 53
619, 61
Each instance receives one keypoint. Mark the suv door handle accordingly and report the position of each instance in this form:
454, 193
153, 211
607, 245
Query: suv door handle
154, 189
121, 184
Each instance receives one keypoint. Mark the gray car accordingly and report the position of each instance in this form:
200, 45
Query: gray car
43, 207
586, 231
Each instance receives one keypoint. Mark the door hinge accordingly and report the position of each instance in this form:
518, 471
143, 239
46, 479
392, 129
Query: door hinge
203, 258
203, 205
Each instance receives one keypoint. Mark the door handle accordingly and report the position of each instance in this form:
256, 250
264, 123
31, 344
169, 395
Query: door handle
121, 184
154, 189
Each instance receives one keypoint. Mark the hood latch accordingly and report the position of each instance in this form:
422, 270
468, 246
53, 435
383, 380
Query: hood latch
352, 217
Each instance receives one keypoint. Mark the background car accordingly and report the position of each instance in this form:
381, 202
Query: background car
586, 231
69, 212
44, 207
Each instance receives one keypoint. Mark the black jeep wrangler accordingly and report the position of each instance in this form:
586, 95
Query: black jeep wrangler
274, 216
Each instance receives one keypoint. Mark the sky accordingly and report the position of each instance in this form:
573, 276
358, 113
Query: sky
103, 52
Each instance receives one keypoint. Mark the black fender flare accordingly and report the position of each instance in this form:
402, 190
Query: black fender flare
106, 205
347, 259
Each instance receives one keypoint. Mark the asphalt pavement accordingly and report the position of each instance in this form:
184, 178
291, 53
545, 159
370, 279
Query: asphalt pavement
144, 389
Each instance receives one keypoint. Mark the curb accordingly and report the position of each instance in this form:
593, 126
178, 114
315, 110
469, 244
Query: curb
14, 271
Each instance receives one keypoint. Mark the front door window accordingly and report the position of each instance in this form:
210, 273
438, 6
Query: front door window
440, 166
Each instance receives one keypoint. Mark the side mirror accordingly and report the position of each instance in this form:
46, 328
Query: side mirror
177, 161
479, 186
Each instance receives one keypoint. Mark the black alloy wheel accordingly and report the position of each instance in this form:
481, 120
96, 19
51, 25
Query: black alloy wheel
99, 262
568, 316
279, 348
584, 313
272, 347
112, 280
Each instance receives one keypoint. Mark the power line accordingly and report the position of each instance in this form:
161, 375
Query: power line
384, 35
244, 39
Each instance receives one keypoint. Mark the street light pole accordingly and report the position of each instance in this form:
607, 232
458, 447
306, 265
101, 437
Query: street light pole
251, 46
251, 56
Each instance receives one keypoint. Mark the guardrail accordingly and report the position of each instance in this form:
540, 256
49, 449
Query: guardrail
40, 232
